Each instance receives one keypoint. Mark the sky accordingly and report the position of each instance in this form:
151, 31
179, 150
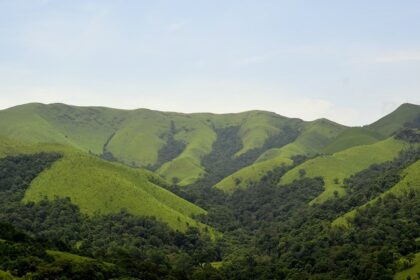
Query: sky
349, 61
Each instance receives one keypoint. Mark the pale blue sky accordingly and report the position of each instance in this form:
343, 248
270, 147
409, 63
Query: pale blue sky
350, 61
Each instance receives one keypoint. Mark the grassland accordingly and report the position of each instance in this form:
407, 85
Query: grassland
101, 187
352, 137
313, 137
396, 120
335, 168
410, 180
413, 271
253, 173
136, 136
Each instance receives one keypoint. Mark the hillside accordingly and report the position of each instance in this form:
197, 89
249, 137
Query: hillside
101, 187
336, 167
410, 181
98, 186
405, 115
172, 143
312, 138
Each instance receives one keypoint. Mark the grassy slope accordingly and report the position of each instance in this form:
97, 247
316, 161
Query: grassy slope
411, 179
251, 173
314, 136
351, 137
343, 164
98, 186
396, 120
135, 137
412, 271
7, 276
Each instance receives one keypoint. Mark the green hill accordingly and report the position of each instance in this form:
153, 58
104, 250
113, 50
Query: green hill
351, 137
335, 168
101, 187
406, 114
410, 180
313, 137
139, 137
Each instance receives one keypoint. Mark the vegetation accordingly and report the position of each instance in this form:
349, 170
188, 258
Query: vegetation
245, 196
98, 186
343, 164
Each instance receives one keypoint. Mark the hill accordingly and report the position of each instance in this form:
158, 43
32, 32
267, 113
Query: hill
313, 136
410, 181
98, 186
171, 143
336, 167
101, 187
405, 115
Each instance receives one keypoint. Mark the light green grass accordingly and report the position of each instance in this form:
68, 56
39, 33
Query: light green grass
4, 275
58, 255
396, 120
352, 137
412, 271
343, 164
410, 180
249, 174
102, 187
313, 138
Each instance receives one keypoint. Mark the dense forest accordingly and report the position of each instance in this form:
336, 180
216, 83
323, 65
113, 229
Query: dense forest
268, 232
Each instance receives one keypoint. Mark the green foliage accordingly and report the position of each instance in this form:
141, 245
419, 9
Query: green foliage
343, 164
98, 186
116, 244
413, 270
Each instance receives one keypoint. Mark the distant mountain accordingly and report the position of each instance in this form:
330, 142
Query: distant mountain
183, 147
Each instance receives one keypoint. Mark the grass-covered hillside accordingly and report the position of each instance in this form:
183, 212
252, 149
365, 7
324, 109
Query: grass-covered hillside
410, 181
98, 186
102, 187
339, 166
405, 115
313, 136
171, 143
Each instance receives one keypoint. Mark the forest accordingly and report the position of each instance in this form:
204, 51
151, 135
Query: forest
268, 232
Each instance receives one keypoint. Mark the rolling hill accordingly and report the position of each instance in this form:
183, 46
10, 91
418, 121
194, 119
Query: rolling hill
312, 138
406, 114
410, 181
98, 186
338, 166
138, 137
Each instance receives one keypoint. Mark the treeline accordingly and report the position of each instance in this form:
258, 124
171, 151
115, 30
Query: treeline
273, 233
269, 232
138, 247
